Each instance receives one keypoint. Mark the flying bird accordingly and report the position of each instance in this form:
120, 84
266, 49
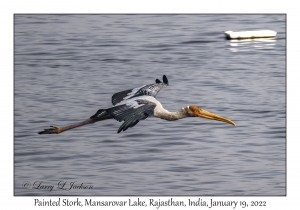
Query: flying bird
133, 105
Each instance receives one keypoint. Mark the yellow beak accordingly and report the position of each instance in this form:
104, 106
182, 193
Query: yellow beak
208, 115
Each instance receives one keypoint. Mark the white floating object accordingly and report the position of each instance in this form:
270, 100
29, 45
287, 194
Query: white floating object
250, 34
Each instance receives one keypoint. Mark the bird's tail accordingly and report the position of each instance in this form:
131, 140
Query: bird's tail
100, 115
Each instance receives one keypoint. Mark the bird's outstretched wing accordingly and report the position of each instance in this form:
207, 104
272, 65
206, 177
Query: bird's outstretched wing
148, 90
132, 111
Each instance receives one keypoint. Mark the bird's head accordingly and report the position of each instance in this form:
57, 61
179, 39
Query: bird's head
198, 112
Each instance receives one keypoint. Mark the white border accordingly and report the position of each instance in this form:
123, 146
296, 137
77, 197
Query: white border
8, 8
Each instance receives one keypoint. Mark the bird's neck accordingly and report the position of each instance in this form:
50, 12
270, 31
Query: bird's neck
170, 116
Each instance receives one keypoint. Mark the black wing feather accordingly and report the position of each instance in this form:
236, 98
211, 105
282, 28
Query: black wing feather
149, 90
118, 97
158, 81
165, 79
130, 115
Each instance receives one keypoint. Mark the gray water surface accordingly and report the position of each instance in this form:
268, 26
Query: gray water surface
68, 66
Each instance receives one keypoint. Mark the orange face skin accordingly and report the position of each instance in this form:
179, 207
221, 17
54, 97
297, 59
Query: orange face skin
198, 112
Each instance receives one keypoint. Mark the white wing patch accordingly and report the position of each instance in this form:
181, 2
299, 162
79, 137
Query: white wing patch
133, 92
132, 102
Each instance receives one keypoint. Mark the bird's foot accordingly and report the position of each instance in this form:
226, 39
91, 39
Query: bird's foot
52, 130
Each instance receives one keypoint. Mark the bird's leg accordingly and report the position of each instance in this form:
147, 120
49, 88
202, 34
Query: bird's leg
57, 130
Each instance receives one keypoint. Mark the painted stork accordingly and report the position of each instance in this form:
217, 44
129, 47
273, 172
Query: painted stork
137, 104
